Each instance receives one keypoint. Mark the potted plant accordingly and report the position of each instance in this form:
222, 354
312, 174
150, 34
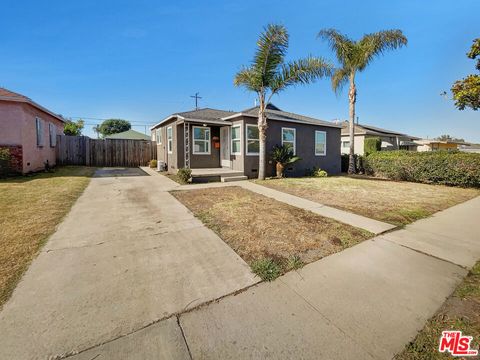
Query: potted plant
283, 155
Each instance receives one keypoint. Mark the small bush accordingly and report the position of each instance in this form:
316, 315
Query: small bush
452, 168
316, 172
372, 145
184, 175
359, 163
294, 262
267, 269
153, 164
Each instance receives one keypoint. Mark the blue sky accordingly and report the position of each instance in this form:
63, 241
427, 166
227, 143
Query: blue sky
141, 60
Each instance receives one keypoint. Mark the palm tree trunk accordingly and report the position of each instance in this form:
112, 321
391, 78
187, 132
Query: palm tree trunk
262, 134
352, 97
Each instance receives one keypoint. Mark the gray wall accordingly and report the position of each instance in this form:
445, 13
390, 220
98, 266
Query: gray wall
305, 149
206, 161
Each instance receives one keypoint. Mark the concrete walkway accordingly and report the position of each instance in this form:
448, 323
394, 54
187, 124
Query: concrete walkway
127, 255
365, 302
374, 226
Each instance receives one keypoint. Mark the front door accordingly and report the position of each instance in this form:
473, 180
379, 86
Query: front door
225, 147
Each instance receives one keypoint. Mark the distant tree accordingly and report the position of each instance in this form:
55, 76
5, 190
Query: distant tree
113, 126
446, 137
354, 57
73, 128
466, 92
270, 74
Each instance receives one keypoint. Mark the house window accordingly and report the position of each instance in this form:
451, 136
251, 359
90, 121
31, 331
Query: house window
289, 139
346, 144
39, 128
253, 140
320, 143
158, 136
201, 140
236, 140
169, 139
53, 135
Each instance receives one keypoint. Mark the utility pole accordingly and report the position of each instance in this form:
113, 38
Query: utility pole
196, 97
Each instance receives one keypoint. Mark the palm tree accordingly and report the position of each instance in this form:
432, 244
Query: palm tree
269, 74
354, 56
283, 156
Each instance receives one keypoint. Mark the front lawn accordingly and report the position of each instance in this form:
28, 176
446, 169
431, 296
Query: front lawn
460, 312
271, 236
30, 209
398, 203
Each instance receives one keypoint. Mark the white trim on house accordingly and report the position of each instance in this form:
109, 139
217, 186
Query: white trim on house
247, 139
170, 140
239, 126
294, 139
325, 143
206, 141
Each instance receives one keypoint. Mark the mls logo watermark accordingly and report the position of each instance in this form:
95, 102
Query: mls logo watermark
456, 344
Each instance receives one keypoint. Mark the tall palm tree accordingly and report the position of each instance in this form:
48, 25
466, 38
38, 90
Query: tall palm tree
354, 56
269, 74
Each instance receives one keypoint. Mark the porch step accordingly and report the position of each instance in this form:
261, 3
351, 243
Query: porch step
233, 178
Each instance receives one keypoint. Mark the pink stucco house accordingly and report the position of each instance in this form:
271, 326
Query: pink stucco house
29, 132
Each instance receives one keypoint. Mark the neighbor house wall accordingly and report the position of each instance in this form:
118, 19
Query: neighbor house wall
18, 127
305, 148
359, 141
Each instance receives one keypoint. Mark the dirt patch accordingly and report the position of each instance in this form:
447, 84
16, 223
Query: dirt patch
259, 227
461, 312
398, 203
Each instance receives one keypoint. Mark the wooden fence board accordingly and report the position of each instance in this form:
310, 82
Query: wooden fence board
81, 150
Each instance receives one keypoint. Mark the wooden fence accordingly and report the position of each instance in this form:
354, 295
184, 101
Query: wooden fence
81, 150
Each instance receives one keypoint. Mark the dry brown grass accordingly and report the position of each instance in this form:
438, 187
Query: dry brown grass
30, 209
398, 203
258, 227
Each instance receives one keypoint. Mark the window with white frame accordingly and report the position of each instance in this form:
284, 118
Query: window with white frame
236, 140
201, 140
289, 139
253, 140
39, 128
170, 139
158, 136
53, 135
320, 143
345, 144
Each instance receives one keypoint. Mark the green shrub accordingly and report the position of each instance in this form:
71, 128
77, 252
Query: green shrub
452, 168
316, 172
359, 163
267, 269
184, 175
153, 164
371, 145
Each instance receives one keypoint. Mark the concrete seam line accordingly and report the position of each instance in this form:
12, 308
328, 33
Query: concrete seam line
423, 253
176, 314
327, 318
184, 337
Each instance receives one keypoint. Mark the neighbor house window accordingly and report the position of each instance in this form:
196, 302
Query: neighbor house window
53, 135
346, 144
169, 139
288, 139
321, 143
236, 140
158, 136
253, 140
39, 128
201, 140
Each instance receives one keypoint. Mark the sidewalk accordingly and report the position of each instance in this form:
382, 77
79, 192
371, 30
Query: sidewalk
374, 226
365, 302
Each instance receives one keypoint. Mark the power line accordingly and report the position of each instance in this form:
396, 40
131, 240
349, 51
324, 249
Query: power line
196, 97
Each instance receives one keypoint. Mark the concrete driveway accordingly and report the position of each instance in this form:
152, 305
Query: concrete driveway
127, 255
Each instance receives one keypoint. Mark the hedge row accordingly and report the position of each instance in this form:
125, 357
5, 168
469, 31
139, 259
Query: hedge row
437, 167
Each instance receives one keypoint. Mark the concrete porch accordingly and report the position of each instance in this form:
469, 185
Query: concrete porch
222, 174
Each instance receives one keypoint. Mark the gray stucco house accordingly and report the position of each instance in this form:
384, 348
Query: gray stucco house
218, 139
